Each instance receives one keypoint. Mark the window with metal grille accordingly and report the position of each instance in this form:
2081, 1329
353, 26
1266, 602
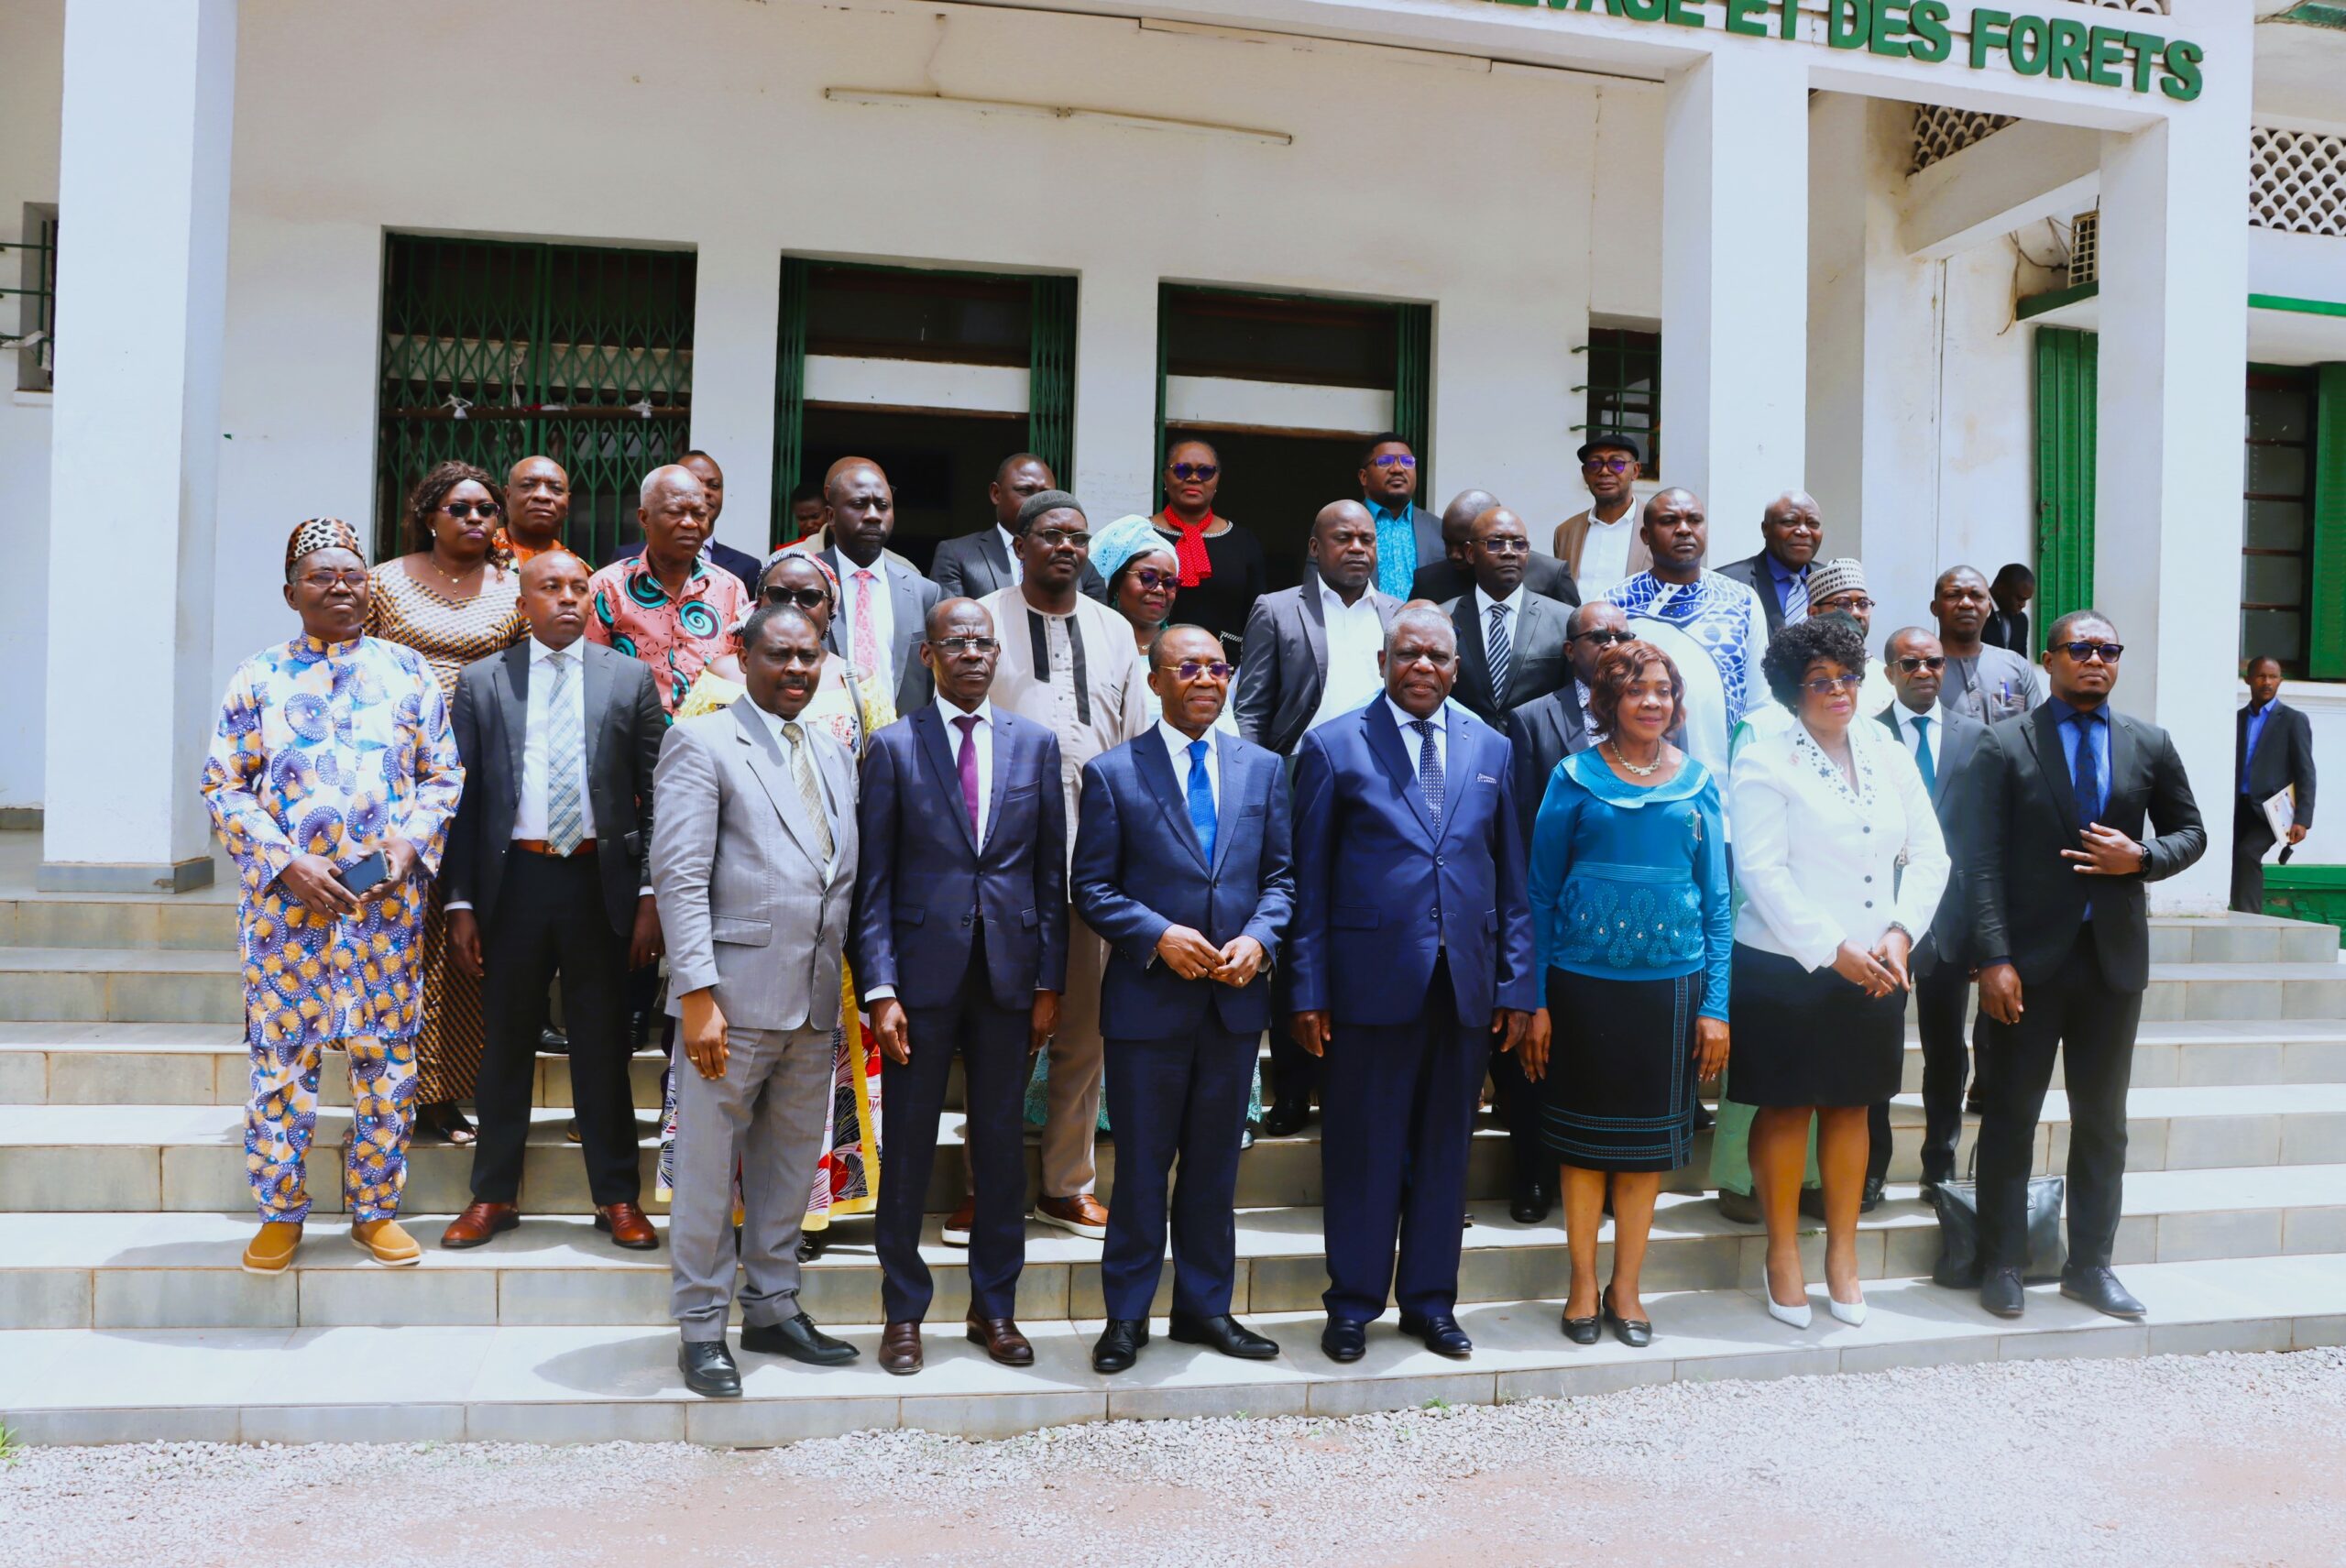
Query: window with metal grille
1625, 389
497, 350
2278, 532
35, 337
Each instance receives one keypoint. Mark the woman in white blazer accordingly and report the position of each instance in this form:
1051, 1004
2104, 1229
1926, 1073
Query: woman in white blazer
1838, 856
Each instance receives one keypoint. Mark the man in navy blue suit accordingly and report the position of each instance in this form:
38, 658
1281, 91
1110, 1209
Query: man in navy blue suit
1182, 864
1411, 948
959, 944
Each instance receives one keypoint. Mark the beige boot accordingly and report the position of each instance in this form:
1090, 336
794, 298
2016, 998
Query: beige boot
390, 1246
272, 1251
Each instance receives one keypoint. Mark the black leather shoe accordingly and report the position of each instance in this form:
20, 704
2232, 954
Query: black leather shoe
1344, 1339
811, 1245
1634, 1332
1441, 1335
1224, 1334
553, 1040
1741, 1207
1119, 1344
1812, 1203
2000, 1292
1285, 1118
709, 1369
1703, 1119
1873, 1198
1530, 1204
800, 1340
1580, 1331
2098, 1288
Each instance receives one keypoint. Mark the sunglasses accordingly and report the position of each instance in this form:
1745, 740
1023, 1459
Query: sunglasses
1606, 466
1913, 664
802, 658
1604, 638
966, 645
1190, 669
1194, 470
1392, 460
1825, 686
805, 598
1059, 538
2083, 653
1152, 579
461, 509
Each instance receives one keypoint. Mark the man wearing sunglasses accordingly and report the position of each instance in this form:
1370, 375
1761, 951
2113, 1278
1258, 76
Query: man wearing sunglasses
1408, 538
2058, 808
1605, 544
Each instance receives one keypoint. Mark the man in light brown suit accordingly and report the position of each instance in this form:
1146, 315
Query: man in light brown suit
1603, 544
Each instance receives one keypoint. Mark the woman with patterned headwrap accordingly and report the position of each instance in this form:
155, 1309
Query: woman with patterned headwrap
331, 749
455, 597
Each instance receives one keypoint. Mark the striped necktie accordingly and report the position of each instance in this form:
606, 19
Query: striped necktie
803, 766
1797, 600
1501, 649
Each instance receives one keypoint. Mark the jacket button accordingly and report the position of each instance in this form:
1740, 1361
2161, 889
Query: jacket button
1868, 904
965, 920
1868, 879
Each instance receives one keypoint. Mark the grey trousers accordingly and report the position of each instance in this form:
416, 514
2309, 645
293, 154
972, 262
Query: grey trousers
768, 1111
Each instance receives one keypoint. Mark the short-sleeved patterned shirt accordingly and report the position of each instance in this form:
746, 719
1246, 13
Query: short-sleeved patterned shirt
678, 638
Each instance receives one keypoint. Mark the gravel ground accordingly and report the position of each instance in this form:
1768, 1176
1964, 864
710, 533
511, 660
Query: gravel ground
2199, 1461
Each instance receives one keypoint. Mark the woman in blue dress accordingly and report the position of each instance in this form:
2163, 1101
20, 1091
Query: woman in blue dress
1630, 908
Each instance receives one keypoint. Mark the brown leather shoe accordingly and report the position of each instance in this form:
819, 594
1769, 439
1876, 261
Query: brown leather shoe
958, 1224
900, 1349
1083, 1215
477, 1223
1002, 1339
627, 1225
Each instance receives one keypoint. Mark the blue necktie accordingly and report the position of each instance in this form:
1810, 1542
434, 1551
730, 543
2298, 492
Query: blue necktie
1429, 768
1922, 753
2086, 777
1201, 799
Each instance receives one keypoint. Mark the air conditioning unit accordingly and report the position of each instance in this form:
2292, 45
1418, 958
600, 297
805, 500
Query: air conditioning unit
2084, 249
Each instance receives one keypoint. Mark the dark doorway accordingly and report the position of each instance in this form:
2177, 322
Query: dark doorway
938, 464
1274, 483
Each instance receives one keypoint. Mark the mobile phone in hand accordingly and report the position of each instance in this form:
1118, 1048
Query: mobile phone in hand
360, 876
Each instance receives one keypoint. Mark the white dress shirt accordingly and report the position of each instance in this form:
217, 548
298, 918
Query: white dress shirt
1604, 552
1905, 716
982, 737
1413, 745
1354, 637
1178, 744
884, 617
1818, 862
1010, 548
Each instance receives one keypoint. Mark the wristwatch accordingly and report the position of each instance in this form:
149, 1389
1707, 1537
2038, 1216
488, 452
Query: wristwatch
2146, 867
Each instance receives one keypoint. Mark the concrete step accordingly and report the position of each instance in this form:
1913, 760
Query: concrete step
481, 1383
2268, 992
2240, 939
121, 985
205, 921
181, 1271
140, 1158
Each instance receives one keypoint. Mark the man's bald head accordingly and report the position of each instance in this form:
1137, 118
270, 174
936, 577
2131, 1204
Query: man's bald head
1344, 548
1791, 527
1498, 551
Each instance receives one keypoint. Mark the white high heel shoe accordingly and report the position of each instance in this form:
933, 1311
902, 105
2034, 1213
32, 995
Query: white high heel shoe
1792, 1317
1851, 1312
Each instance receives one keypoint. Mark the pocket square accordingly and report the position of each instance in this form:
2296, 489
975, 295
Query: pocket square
1484, 778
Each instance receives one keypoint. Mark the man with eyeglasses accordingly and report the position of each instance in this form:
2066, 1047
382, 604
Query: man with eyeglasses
1068, 664
1452, 576
1511, 642
2057, 803
1604, 545
1183, 863
1983, 681
1547, 729
960, 946
1408, 538
1791, 529
985, 562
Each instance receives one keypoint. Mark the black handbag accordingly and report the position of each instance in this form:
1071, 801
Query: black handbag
1957, 1203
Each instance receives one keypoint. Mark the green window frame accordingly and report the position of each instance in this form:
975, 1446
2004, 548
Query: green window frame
2067, 378
2326, 653
496, 350
1624, 389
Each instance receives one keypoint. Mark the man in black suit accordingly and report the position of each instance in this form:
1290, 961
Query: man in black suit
1510, 640
545, 872
959, 944
975, 564
1549, 728
2006, 626
1792, 529
2274, 751
882, 601
741, 563
1453, 576
2059, 913
1941, 742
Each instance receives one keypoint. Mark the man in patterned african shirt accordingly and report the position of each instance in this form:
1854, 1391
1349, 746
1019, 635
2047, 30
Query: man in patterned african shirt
669, 606
1711, 626
331, 749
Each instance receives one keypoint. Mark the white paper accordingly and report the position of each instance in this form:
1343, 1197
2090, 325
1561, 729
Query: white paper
2280, 811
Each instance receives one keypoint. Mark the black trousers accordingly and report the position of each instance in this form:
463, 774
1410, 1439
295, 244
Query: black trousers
1940, 995
992, 1040
1295, 1072
1516, 1100
2078, 1014
551, 918
2251, 835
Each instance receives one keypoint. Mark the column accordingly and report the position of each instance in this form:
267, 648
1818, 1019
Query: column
736, 306
2168, 476
1734, 285
1116, 393
134, 453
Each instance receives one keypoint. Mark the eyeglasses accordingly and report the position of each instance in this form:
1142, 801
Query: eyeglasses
1059, 538
1915, 664
1854, 606
1606, 466
805, 598
1825, 686
1193, 470
462, 509
965, 644
803, 658
1152, 579
1407, 656
1392, 460
1505, 546
1603, 638
2085, 652
326, 582
1190, 669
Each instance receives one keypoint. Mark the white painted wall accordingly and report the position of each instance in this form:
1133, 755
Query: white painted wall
32, 53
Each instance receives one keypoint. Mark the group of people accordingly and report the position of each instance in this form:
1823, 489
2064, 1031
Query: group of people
1095, 810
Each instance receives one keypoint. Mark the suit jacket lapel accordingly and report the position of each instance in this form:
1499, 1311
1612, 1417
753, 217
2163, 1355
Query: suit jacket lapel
1474, 669
1315, 631
1456, 767
990, 546
772, 772
1392, 749
936, 750
903, 598
2122, 763
1157, 771
1230, 806
597, 675
514, 714
2043, 732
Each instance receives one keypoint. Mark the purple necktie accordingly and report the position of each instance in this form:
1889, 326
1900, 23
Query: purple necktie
967, 725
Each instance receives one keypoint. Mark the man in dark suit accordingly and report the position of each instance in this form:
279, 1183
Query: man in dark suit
975, 564
545, 874
959, 944
2274, 751
1183, 864
1411, 947
1511, 642
2006, 626
882, 601
741, 563
1453, 576
2059, 798
1941, 742
1792, 529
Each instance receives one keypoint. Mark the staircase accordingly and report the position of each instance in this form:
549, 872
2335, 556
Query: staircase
124, 1316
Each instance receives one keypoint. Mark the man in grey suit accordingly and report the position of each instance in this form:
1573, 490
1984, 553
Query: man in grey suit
1512, 643
1941, 742
986, 562
544, 872
884, 602
753, 857
1452, 576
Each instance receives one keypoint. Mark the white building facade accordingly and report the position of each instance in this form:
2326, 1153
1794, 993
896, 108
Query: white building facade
1844, 240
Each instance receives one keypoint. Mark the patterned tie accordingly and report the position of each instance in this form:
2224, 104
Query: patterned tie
1201, 799
1429, 768
803, 766
866, 650
967, 725
1502, 652
1922, 753
565, 822
1797, 600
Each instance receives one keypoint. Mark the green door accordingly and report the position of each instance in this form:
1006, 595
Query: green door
2067, 364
